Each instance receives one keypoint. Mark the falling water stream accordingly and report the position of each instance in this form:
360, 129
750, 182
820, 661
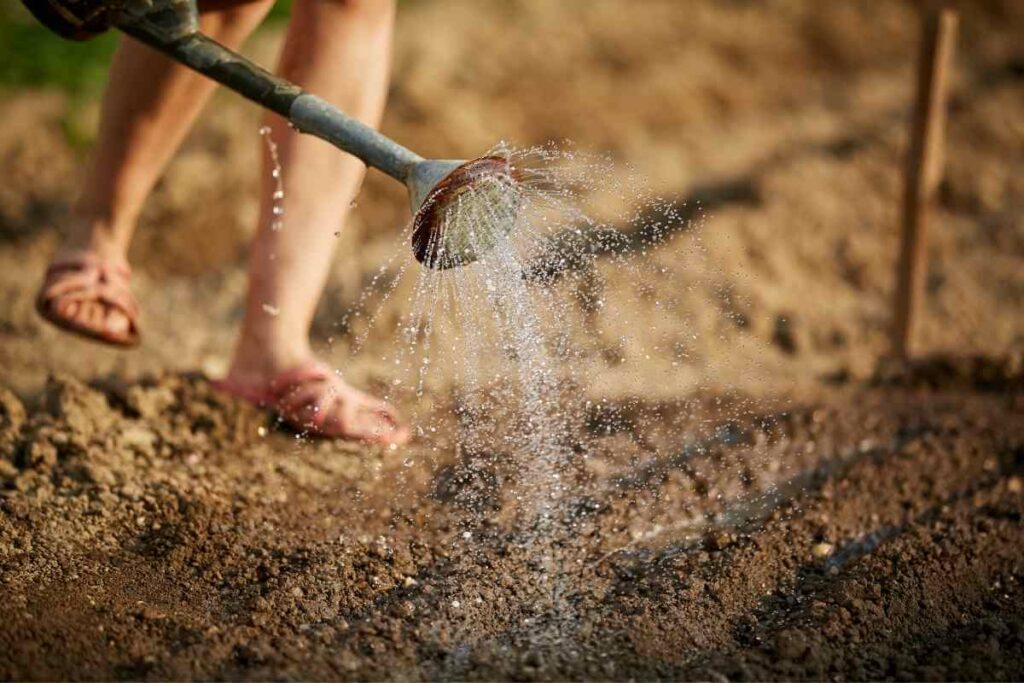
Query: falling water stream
506, 329
515, 334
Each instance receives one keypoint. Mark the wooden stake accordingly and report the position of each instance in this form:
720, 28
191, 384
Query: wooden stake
924, 168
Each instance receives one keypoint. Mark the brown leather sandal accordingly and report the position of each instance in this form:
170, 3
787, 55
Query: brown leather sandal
85, 277
309, 399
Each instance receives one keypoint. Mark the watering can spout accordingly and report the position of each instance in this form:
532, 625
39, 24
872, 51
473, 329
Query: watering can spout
462, 209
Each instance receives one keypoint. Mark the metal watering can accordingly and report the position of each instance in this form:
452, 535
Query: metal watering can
437, 188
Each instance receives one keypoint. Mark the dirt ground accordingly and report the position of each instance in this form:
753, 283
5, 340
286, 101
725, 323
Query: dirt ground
754, 494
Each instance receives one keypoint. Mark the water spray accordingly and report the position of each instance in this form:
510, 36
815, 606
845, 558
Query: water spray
442, 192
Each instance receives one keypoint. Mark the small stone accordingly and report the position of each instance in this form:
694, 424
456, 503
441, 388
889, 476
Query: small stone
297, 592
150, 402
718, 540
791, 645
97, 474
1014, 485
42, 453
8, 472
138, 437
262, 432
214, 366
822, 550
456, 604
12, 417
132, 491
410, 582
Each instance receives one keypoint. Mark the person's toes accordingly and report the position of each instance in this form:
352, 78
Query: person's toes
117, 323
380, 421
65, 309
93, 314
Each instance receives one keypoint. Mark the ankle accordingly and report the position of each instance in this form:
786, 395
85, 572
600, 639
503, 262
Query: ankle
95, 235
260, 356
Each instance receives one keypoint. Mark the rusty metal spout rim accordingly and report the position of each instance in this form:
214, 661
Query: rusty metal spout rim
429, 219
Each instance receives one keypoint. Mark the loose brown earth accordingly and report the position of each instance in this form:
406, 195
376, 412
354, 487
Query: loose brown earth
761, 498
148, 531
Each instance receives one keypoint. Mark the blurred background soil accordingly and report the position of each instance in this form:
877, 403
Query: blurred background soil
147, 531
785, 120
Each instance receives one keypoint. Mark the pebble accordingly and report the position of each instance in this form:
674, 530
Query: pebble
822, 550
132, 491
791, 645
1014, 485
214, 366
8, 472
719, 540
410, 582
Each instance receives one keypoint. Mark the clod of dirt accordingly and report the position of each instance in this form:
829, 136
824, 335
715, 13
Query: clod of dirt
12, 418
82, 412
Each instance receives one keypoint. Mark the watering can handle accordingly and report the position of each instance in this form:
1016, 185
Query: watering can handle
306, 112
215, 61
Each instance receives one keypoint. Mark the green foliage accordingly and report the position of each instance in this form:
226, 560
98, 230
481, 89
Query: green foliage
281, 10
32, 56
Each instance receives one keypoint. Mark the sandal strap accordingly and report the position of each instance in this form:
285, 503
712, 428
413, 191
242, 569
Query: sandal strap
288, 392
307, 386
86, 260
85, 276
304, 396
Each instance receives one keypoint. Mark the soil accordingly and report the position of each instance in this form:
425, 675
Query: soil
153, 530
763, 498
